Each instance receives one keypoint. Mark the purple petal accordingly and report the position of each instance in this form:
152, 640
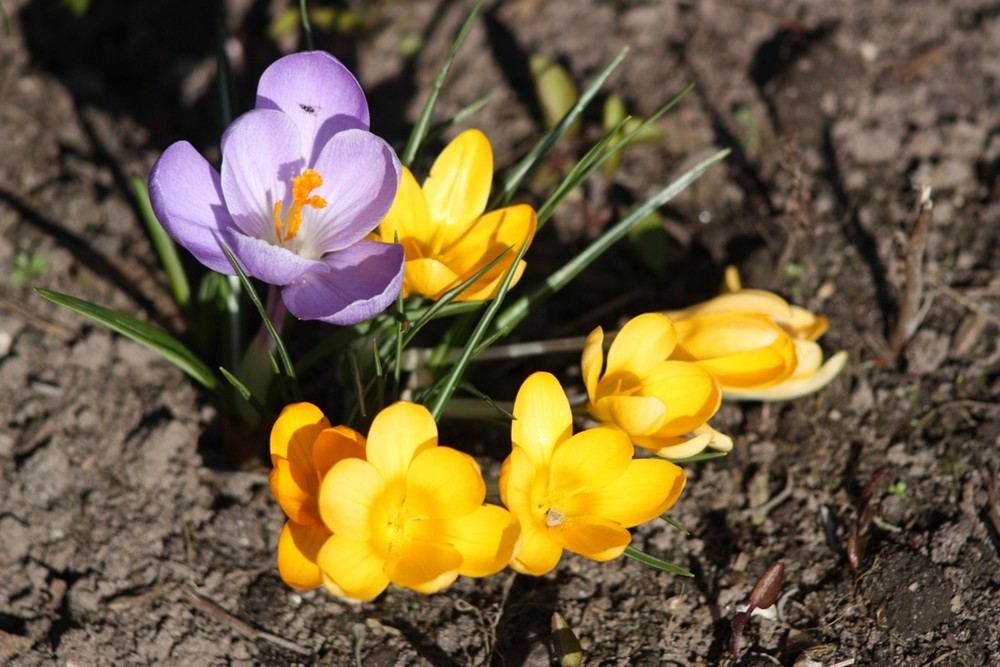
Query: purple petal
268, 262
186, 194
360, 177
318, 93
363, 280
261, 154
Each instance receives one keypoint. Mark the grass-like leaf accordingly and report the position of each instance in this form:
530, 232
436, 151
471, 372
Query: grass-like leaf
610, 144
535, 155
703, 456
518, 310
653, 561
164, 245
279, 345
421, 127
141, 332
245, 392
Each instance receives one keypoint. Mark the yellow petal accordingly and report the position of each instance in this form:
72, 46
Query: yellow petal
644, 341
336, 444
690, 393
743, 301
642, 492
542, 417
792, 389
428, 277
408, 218
486, 288
741, 350
298, 547
521, 485
353, 566
592, 361
681, 447
594, 537
539, 553
480, 243
397, 434
443, 483
486, 538
294, 491
296, 426
459, 183
590, 460
426, 567
636, 415
351, 498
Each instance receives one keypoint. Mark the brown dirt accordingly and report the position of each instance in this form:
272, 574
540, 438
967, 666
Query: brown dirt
125, 538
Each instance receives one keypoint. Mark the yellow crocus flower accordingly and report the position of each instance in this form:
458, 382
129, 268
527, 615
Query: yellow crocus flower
663, 404
445, 234
579, 492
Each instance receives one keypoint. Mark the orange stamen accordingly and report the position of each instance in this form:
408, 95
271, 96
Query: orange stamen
302, 185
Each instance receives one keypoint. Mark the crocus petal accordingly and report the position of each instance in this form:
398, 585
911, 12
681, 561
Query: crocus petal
426, 567
742, 350
520, 481
186, 194
542, 417
351, 493
443, 483
261, 154
593, 536
317, 93
636, 415
336, 444
591, 459
459, 183
486, 538
297, 426
270, 263
743, 301
592, 361
298, 547
646, 489
645, 340
408, 217
792, 389
294, 489
360, 177
487, 287
397, 435
362, 281
539, 552
689, 391
353, 566
429, 277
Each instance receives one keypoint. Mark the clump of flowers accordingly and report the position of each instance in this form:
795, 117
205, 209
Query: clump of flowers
392, 508
311, 203
579, 492
444, 231
302, 183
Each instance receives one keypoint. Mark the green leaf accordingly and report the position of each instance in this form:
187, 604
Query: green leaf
704, 456
279, 345
141, 332
420, 128
562, 276
164, 245
245, 392
535, 155
653, 561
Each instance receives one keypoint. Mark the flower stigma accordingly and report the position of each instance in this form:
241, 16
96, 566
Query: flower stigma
302, 185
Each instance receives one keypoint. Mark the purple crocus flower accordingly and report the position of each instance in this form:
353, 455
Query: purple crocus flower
302, 183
